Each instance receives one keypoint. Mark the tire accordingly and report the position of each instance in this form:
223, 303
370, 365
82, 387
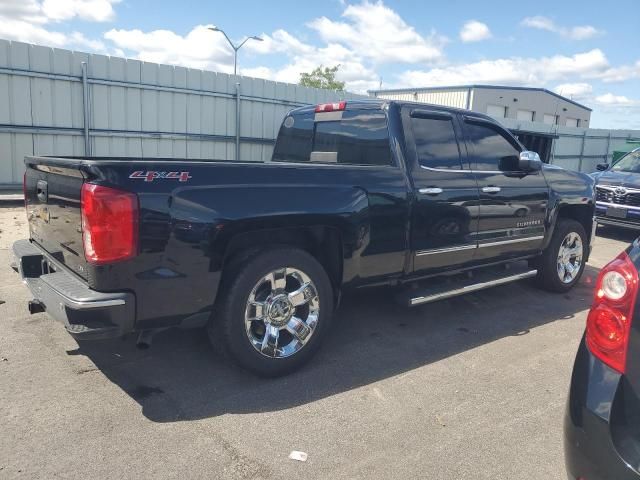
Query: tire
238, 330
549, 271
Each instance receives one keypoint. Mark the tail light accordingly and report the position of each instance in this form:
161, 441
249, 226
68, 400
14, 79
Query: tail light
109, 224
609, 320
331, 107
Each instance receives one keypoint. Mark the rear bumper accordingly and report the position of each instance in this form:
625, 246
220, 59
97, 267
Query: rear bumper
594, 450
85, 313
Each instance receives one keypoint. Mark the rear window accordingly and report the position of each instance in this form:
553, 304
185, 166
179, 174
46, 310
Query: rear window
357, 138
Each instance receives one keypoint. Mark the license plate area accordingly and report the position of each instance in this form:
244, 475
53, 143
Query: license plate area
616, 212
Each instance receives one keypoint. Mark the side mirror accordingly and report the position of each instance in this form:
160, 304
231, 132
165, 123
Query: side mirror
529, 161
601, 167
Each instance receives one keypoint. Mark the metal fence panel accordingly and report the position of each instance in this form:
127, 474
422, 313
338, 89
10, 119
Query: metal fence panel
134, 108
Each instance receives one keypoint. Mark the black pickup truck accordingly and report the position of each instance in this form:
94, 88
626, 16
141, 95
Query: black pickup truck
430, 201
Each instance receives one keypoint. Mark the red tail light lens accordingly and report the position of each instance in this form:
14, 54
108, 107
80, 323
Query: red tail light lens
331, 107
109, 224
609, 320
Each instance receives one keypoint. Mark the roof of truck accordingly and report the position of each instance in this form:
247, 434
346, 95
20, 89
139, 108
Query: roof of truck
378, 103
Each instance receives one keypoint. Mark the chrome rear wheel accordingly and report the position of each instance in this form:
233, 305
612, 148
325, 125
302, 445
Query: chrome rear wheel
282, 312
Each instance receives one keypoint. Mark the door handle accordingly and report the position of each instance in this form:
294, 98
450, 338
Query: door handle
431, 191
490, 189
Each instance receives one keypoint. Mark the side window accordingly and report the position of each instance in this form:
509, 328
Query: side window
294, 139
491, 150
359, 138
436, 144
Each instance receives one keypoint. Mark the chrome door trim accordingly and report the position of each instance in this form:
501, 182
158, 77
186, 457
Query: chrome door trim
512, 240
491, 189
431, 190
492, 172
457, 248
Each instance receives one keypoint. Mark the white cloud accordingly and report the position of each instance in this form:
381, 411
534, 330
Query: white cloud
574, 90
474, 31
23, 10
200, 48
31, 33
90, 10
620, 73
376, 32
47, 11
358, 76
579, 32
512, 71
27, 21
370, 34
616, 100
280, 41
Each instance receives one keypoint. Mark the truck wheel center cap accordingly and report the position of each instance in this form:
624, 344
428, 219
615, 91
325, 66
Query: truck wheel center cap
279, 310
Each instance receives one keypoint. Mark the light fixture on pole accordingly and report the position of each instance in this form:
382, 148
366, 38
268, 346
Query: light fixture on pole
235, 47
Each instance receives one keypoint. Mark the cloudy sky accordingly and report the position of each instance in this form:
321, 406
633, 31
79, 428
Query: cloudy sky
585, 50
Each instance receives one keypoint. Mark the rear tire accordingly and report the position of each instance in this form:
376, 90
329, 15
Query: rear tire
562, 262
273, 311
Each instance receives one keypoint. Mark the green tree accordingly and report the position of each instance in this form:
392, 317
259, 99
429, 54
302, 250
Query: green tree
322, 77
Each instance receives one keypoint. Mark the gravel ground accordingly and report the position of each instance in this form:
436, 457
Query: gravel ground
468, 388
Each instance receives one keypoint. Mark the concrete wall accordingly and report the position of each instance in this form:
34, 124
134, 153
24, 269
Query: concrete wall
531, 100
136, 108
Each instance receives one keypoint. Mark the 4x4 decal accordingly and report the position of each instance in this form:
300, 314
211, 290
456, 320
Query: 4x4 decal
150, 176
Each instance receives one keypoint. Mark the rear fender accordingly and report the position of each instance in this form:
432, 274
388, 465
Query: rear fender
226, 217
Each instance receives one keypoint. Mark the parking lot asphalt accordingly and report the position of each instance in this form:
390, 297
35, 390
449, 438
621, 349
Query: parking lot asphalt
468, 388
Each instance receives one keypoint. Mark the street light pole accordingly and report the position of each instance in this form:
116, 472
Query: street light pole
235, 47
235, 72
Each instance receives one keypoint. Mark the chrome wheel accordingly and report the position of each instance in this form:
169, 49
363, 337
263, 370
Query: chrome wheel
570, 257
282, 312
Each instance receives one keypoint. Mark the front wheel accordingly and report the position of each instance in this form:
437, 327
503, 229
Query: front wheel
562, 262
273, 311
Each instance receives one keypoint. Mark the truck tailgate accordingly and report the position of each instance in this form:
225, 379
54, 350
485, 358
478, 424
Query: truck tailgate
52, 197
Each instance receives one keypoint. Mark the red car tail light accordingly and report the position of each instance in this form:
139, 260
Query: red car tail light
331, 107
109, 224
609, 320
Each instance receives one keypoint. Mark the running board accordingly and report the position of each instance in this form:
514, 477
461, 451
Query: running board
480, 281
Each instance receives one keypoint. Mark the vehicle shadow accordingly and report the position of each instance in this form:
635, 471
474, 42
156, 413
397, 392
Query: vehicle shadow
179, 378
615, 233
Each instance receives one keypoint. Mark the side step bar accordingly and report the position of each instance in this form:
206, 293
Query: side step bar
441, 292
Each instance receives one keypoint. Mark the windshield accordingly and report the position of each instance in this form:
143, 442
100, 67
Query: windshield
628, 163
